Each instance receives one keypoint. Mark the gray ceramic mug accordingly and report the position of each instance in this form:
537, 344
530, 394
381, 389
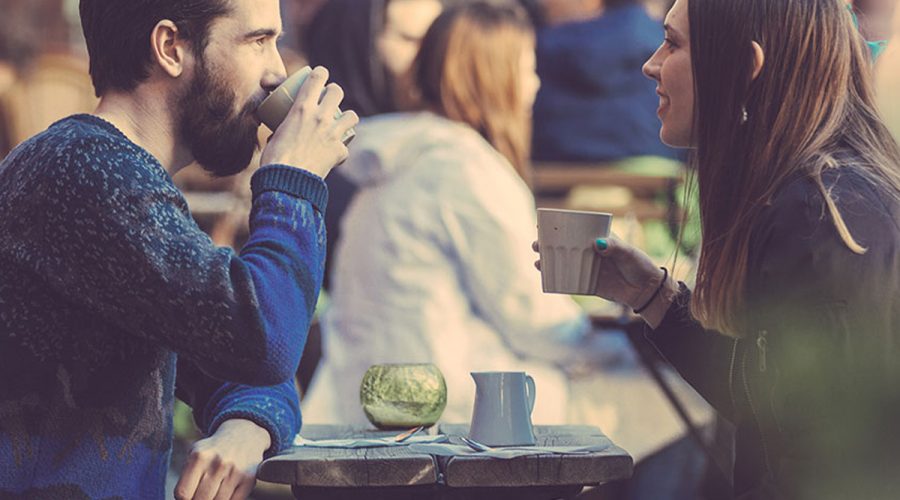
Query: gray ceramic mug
274, 108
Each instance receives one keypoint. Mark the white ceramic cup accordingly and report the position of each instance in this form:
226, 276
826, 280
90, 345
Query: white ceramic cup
569, 263
274, 108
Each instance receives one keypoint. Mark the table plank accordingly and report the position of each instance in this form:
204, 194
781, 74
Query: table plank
338, 467
393, 469
611, 464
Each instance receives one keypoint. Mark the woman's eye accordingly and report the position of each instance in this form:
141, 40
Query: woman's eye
669, 43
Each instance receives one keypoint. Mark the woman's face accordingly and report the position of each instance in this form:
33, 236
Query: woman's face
529, 81
406, 22
670, 66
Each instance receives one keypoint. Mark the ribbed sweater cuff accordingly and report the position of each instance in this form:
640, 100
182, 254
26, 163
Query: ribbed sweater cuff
292, 181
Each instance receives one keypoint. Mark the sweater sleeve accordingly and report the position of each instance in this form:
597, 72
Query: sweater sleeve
116, 238
702, 357
275, 408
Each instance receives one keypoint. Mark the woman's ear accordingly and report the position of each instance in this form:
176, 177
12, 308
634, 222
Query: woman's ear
167, 48
759, 59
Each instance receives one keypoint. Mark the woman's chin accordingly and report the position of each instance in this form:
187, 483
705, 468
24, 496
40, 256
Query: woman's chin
673, 139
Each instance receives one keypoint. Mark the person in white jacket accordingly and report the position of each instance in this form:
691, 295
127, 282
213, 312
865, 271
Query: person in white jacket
435, 262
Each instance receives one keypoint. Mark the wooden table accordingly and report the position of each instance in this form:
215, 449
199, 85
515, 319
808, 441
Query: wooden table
398, 473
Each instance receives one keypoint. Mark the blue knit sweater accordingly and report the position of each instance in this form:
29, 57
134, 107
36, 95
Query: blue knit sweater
105, 278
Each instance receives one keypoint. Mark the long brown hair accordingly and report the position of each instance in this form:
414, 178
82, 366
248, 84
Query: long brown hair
813, 98
468, 71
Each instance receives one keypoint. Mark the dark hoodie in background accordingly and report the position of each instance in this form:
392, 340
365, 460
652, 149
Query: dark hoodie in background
595, 104
342, 37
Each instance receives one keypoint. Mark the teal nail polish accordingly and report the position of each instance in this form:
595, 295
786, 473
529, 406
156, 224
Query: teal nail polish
602, 244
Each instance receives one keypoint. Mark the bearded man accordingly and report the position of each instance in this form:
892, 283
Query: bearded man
106, 282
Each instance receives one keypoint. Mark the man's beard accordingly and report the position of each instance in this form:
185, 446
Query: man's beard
221, 141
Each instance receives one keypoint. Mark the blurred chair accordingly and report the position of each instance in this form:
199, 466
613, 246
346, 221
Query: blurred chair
54, 86
644, 187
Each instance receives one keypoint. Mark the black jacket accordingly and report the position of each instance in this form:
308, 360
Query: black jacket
812, 384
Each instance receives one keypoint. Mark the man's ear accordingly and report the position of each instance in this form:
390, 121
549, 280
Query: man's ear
759, 59
168, 49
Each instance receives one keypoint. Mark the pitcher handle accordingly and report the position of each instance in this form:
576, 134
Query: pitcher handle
530, 388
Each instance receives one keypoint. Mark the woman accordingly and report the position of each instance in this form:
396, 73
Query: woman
368, 47
799, 185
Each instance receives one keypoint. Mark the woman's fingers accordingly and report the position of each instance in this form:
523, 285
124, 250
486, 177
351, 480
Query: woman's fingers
607, 246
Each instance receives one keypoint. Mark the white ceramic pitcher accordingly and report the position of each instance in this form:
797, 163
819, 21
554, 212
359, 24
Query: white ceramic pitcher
503, 405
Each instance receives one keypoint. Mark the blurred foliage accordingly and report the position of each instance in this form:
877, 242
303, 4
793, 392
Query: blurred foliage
183, 422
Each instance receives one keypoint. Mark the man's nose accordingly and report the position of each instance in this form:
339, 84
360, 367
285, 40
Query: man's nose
276, 75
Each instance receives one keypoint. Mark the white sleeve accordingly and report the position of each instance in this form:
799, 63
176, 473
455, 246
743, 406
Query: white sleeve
489, 216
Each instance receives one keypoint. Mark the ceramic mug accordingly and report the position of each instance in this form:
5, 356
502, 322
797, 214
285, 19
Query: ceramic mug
569, 263
274, 108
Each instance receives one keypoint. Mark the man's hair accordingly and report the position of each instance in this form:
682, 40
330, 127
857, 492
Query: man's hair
118, 34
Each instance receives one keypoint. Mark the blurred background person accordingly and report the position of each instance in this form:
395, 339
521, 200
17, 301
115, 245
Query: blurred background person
887, 73
434, 262
874, 18
368, 46
594, 104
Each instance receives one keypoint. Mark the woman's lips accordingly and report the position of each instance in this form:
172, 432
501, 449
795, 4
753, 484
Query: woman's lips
663, 104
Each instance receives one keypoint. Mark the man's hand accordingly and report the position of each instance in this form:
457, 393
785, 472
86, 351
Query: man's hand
223, 466
310, 137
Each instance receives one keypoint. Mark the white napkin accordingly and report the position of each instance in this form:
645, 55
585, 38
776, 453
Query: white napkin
369, 442
449, 449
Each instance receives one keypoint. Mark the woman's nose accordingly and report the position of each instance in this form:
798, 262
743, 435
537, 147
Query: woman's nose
651, 67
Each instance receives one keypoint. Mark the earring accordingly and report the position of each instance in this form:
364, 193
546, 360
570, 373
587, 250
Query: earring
745, 117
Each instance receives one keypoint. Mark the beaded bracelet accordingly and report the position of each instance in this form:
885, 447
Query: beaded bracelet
662, 283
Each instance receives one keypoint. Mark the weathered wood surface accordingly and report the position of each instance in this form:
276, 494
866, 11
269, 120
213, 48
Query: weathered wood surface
375, 469
337, 467
611, 464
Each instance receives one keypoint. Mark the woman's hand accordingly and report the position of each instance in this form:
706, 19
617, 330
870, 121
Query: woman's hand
628, 276
223, 466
